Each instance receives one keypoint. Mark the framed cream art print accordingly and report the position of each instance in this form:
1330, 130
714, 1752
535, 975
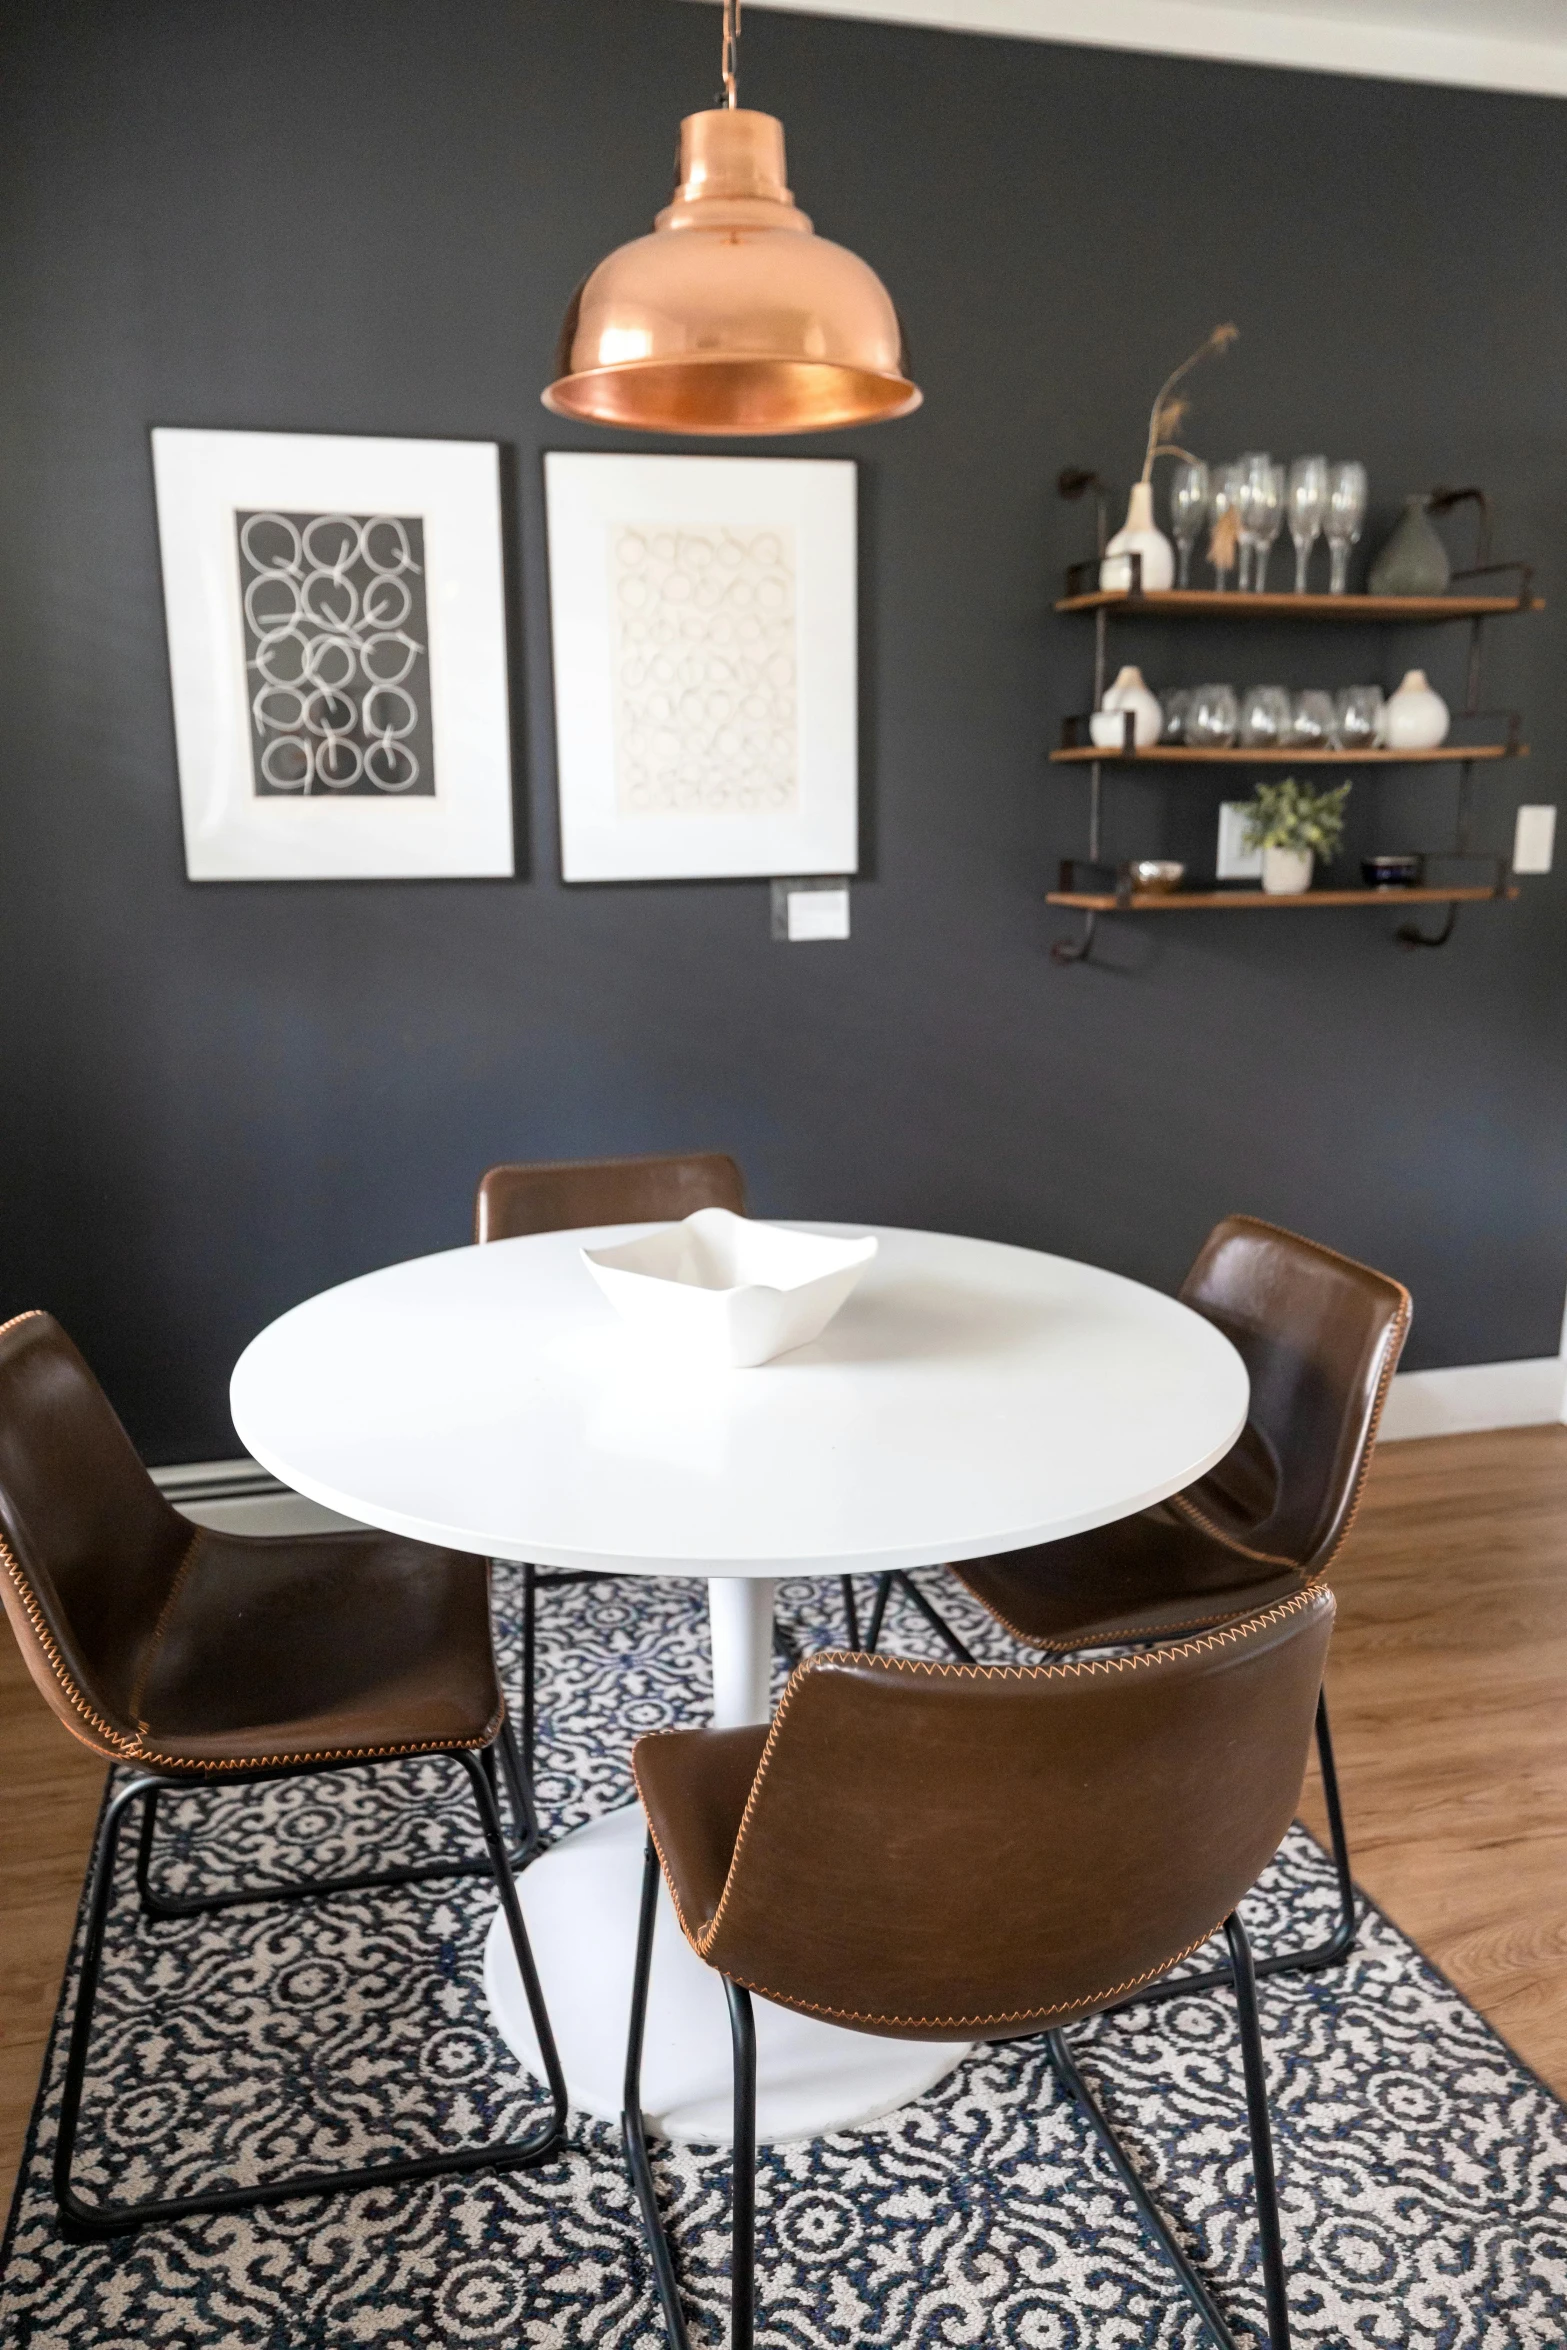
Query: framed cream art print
337, 647
704, 619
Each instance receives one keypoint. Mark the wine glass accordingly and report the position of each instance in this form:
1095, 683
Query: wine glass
1223, 502
1265, 508
1213, 717
1345, 516
1266, 717
1254, 471
1314, 720
1359, 709
1308, 506
1188, 505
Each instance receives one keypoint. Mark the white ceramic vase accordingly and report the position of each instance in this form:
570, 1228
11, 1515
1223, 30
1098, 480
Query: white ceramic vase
1286, 873
1139, 535
1129, 693
1416, 717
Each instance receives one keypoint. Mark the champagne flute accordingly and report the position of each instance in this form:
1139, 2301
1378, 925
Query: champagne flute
1223, 509
1254, 468
1188, 505
1267, 520
1345, 517
1308, 506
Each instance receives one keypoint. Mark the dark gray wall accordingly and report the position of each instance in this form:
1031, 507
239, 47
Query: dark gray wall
333, 215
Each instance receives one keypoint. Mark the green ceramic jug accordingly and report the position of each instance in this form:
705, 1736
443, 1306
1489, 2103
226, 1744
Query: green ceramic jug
1414, 561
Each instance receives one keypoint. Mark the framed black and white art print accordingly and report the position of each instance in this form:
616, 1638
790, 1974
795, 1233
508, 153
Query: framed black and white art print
337, 645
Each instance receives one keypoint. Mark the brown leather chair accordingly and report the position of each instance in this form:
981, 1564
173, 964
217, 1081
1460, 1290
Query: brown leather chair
195, 1659
1065, 1834
1320, 1337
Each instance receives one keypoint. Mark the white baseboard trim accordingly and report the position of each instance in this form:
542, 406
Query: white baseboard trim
241, 1497
1474, 1396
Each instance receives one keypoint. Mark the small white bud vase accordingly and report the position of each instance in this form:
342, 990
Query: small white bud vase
1286, 873
1130, 693
1416, 717
1139, 535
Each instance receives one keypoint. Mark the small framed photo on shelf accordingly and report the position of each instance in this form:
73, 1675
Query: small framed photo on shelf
705, 637
337, 648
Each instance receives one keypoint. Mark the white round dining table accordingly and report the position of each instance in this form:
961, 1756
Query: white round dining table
970, 1398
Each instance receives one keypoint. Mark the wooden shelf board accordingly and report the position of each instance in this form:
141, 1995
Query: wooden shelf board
1175, 754
1198, 603
1211, 901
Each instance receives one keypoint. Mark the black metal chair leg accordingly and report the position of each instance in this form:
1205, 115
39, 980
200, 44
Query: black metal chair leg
1192, 2284
1261, 2135
524, 1810
742, 2257
199, 1905
938, 1623
851, 1611
1318, 1955
911, 1591
86, 2222
634, 2128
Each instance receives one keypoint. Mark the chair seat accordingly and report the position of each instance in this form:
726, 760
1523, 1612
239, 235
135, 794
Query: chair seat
1141, 1578
694, 1786
324, 1647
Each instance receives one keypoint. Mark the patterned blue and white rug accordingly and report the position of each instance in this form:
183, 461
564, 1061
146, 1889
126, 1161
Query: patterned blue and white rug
1423, 2168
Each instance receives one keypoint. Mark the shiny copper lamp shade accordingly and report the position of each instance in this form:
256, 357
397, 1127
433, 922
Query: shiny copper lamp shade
732, 317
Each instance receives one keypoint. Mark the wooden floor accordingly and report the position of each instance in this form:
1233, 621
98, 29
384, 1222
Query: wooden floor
1448, 1685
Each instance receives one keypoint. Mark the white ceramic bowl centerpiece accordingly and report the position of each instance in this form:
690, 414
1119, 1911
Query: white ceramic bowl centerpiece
720, 1289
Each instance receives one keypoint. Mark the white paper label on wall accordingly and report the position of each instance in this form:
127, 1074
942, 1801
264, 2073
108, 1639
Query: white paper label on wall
1534, 840
807, 910
1236, 862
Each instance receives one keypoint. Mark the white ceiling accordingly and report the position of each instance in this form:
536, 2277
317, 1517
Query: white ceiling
1478, 44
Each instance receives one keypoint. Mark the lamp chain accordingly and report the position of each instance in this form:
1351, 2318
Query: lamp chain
731, 52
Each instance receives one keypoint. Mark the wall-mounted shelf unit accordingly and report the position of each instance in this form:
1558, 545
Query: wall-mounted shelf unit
1085, 596
1257, 901
1229, 604
1172, 755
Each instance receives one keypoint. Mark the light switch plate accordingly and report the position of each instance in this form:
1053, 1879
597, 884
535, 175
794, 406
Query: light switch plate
1236, 862
810, 909
1534, 840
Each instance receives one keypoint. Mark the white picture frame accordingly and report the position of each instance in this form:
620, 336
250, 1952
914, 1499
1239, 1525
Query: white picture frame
269, 785
748, 763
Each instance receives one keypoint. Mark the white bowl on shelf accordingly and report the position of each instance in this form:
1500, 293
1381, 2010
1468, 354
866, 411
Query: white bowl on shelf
719, 1289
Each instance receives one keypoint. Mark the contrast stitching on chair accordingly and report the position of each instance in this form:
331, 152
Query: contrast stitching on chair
158, 1630
121, 1743
69, 1690
965, 2023
1145, 1661
33, 1314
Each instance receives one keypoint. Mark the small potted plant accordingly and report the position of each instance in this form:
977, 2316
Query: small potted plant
1293, 825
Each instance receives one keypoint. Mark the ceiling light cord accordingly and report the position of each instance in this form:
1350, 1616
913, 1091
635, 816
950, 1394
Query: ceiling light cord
731, 52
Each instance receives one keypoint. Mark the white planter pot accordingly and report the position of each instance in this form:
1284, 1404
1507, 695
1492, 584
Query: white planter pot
1286, 873
1138, 535
1416, 717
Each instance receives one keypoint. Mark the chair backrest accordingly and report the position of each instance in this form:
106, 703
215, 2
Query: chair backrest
89, 1548
567, 1194
933, 1851
1320, 1337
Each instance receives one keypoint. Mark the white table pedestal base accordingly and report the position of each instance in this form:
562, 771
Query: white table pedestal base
580, 1901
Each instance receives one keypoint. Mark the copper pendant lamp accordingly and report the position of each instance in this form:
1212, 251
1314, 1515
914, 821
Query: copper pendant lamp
732, 317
